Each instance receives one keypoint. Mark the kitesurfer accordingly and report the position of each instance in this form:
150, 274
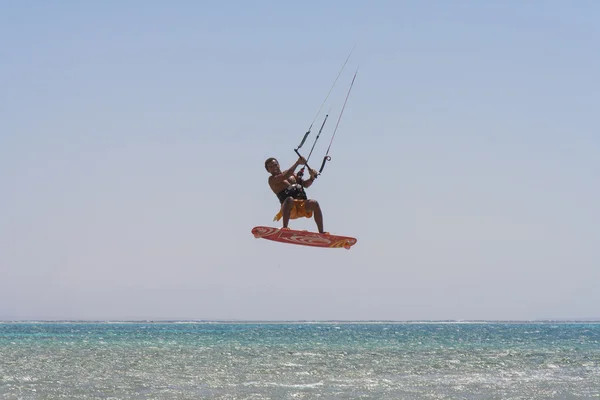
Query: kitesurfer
289, 188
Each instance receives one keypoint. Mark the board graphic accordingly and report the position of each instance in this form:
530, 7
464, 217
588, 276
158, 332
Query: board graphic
303, 238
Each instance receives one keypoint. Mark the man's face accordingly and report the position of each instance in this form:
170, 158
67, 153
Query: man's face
273, 167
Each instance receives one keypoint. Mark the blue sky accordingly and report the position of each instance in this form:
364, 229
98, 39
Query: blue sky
133, 137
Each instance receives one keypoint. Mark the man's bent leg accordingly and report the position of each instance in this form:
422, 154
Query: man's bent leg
286, 209
314, 206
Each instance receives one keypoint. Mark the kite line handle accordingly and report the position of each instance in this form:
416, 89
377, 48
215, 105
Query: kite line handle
301, 172
303, 140
325, 159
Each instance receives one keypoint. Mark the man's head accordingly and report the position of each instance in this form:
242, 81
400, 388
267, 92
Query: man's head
272, 166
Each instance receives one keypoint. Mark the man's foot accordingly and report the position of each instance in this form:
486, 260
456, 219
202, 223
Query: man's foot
285, 228
325, 233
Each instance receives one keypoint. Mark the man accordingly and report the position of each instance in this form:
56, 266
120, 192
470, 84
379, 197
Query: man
289, 189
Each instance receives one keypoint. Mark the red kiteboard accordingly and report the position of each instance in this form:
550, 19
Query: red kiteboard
303, 238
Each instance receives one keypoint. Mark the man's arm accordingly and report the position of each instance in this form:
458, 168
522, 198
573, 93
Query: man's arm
309, 181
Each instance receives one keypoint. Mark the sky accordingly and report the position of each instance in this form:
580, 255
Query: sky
133, 137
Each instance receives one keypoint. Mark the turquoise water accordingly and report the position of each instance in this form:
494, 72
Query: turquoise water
299, 361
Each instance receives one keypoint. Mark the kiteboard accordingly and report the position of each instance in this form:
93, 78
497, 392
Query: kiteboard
303, 238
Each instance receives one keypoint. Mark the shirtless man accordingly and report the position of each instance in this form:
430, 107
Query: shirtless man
294, 203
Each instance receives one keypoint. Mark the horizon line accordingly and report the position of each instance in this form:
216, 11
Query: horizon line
296, 321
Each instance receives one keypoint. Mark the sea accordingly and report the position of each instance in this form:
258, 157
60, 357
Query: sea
300, 360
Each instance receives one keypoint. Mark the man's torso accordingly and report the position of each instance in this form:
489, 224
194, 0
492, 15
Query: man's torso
281, 186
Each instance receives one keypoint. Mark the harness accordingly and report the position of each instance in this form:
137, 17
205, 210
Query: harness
296, 191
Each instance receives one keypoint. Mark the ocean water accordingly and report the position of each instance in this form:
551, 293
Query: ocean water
299, 361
